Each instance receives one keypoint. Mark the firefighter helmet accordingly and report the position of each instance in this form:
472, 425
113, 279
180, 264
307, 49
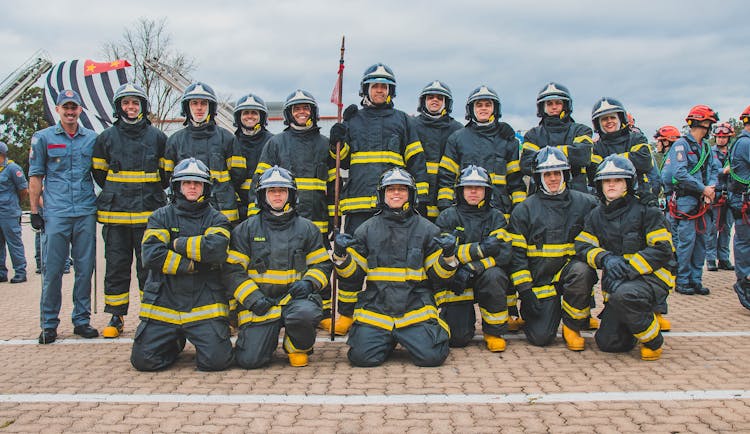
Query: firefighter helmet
198, 90
132, 90
476, 176
724, 129
668, 133
251, 102
550, 159
300, 96
378, 73
615, 167
480, 93
552, 91
745, 116
276, 176
191, 169
436, 88
701, 113
606, 106
396, 176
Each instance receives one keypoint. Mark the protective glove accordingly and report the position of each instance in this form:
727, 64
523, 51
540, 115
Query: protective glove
300, 289
616, 266
350, 111
490, 246
610, 284
447, 242
531, 307
37, 222
262, 305
341, 243
338, 134
460, 280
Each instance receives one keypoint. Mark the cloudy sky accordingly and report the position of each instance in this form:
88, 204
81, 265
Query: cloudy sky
658, 57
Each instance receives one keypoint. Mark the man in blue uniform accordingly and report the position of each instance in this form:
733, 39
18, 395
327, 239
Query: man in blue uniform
719, 226
13, 187
738, 201
60, 160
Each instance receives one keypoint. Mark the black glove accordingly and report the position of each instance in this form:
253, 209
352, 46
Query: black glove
350, 111
341, 242
262, 305
37, 222
609, 284
338, 134
490, 246
531, 307
300, 289
447, 242
460, 280
616, 266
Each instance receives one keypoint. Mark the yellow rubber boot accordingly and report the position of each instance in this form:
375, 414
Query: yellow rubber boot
325, 324
664, 323
515, 323
649, 354
573, 339
114, 328
593, 323
298, 359
343, 324
496, 344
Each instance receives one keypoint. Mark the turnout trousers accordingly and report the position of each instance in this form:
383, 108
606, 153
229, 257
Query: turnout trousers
121, 242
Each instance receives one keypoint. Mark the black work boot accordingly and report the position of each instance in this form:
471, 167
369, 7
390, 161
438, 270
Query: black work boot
685, 289
742, 288
725, 265
699, 289
711, 266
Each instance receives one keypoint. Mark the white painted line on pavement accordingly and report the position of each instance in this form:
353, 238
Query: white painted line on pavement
342, 339
516, 398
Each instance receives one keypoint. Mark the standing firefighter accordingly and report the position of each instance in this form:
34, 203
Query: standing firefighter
13, 188
554, 105
125, 164
184, 245
631, 243
719, 226
434, 125
250, 118
374, 139
739, 200
276, 268
689, 177
551, 283
484, 247
214, 146
403, 256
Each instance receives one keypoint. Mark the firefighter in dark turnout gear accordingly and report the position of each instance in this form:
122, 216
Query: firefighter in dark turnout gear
551, 283
720, 221
125, 164
610, 122
184, 246
403, 256
483, 249
374, 139
739, 197
276, 268
213, 145
554, 106
631, 243
250, 118
434, 125
486, 142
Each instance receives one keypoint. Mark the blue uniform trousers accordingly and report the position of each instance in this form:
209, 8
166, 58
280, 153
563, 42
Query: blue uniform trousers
10, 235
690, 248
717, 238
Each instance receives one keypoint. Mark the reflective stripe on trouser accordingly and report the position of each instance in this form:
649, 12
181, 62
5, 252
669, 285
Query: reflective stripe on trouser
425, 341
574, 292
691, 252
489, 293
628, 317
10, 235
156, 345
59, 234
120, 243
741, 250
257, 342
717, 243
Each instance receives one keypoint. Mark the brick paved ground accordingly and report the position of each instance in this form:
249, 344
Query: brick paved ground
78, 385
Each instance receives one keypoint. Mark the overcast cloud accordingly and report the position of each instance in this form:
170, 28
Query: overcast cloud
658, 57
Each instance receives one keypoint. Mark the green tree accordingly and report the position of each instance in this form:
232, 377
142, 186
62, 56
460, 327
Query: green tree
19, 122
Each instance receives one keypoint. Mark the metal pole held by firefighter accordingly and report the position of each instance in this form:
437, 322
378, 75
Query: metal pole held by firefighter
336, 193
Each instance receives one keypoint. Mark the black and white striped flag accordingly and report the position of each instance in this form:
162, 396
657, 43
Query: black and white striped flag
96, 82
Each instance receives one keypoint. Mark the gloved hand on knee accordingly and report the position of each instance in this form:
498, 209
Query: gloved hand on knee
531, 306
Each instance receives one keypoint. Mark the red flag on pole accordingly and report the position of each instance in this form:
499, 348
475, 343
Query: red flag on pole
90, 67
336, 94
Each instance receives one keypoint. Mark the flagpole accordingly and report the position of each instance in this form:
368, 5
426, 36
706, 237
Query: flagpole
337, 181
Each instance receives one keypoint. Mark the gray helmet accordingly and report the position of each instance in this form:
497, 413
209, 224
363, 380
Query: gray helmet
436, 88
378, 73
191, 169
616, 167
198, 90
552, 91
132, 90
482, 92
550, 159
251, 102
606, 106
3, 148
300, 96
396, 176
276, 176
473, 175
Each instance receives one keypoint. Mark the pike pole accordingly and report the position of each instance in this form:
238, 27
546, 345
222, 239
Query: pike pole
336, 194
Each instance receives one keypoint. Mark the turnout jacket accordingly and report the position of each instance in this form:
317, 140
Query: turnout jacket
250, 147
635, 231
126, 165
543, 229
266, 255
433, 133
177, 235
634, 146
493, 147
379, 138
572, 138
397, 254
215, 147
305, 154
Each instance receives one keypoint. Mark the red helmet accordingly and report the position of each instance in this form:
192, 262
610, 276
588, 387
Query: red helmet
701, 113
745, 116
667, 132
724, 129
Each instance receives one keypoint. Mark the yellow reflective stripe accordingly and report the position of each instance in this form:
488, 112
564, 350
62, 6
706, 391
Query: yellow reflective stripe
331, 210
422, 314
495, 318
359, 259
512, 167
448, 164
412, 149
665, 276
586, 237
463, 254
373, 318
544, 291
596, 159
563, 148
220, 175
318, 275
261, 167
651, 332
511, 299
583, 138
123, 218
357, 203
245, 316
658, 235
327, 304
551, 250
244, 289
343, 152
446, 296
246, 184
518, 197
392, 274
193, 247
133, 176
236, 257
574, 312
521, 276
231, 214
348, 270
445, 193
316, 256
637, 147
530, 146
441, 271
171, 262
274, 277
311, 184
432, 167
423, 188
369, 157
167, 165
172, 316
591, 256
640, 264
497, 179
431, 259
252, 209
331, 174
217, 230
116, 299
347, 296
432, 211
99, 164
488, 262
160, 234
237, 161
518, 240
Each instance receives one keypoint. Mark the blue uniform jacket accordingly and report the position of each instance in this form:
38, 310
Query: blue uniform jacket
683, 157
11, 182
